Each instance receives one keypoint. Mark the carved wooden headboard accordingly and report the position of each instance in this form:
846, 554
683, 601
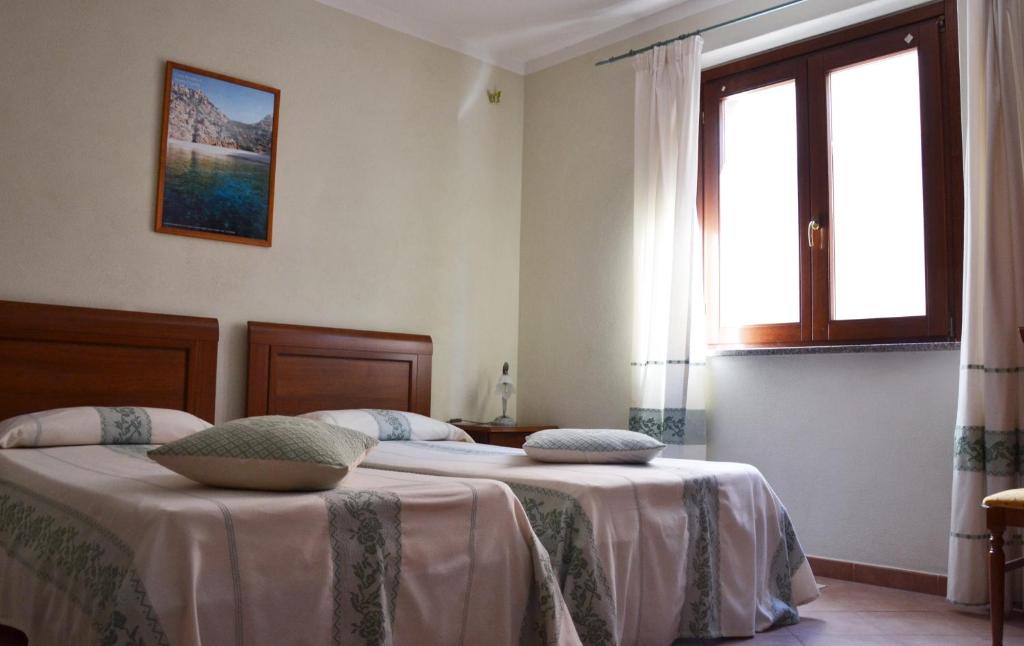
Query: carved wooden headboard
53, 356
295, 369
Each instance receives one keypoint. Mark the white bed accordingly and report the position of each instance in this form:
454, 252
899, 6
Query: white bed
101, 545
645, 554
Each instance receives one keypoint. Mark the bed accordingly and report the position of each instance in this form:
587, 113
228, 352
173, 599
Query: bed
643, 554
100, 545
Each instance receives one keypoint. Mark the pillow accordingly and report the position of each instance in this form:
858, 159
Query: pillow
98, 425
272, 453
594, 446
391, 424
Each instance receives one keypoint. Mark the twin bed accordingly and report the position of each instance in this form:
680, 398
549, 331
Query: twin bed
427, 542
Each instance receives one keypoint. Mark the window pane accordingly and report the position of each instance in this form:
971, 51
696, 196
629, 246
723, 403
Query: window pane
759, 253
877, 220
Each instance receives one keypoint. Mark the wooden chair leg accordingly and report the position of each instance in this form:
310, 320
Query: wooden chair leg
996, 582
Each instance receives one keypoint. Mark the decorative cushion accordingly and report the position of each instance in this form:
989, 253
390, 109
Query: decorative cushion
272, 453
594, 446
1011, 498
391, 424
98, 425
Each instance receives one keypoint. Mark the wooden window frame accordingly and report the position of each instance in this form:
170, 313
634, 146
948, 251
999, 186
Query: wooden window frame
808, 62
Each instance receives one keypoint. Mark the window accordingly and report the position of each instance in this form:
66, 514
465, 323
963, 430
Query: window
831, 188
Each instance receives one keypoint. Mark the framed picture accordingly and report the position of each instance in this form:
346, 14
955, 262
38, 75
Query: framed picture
217, 156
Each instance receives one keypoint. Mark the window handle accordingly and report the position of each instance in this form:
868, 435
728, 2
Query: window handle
813, 226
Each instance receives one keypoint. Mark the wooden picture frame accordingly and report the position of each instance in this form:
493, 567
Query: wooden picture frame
217, 158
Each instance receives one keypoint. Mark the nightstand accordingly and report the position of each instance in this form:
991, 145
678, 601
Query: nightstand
512, 436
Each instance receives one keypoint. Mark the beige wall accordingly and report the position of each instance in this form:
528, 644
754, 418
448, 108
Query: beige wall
858, 446
397, 196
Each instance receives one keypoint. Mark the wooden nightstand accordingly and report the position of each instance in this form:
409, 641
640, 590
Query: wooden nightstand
512, 436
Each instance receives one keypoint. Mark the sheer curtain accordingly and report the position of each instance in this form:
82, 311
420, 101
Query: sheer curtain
668, 371
990, 411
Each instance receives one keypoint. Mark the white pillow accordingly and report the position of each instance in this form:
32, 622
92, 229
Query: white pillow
594, 446
98, 425
271, 453
391, 424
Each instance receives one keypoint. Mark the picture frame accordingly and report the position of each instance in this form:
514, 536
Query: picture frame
218, 157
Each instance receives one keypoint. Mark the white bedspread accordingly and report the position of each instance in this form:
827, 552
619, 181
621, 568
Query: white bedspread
645, 554
98, 544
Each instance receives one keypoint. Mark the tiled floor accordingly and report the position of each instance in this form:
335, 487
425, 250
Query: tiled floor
854, 614
849, 614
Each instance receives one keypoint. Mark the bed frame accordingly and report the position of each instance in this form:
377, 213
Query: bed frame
53, 356
295, 369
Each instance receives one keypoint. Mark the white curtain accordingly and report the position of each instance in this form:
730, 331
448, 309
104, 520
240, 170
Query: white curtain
668, 371
989, 445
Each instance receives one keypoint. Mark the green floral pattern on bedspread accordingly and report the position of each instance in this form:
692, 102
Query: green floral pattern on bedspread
541, 621
703, 589
85, 561
366, 547
786, 561
568, 536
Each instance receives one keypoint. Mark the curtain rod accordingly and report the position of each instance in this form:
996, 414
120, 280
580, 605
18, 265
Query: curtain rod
634, 52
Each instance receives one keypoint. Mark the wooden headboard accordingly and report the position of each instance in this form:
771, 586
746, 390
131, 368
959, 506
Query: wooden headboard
295, 369
53, 356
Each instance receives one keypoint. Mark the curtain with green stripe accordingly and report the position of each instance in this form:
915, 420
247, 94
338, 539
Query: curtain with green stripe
990, 411
667, 366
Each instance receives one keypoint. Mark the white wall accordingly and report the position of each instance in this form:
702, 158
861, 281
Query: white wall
858, 446
398, 185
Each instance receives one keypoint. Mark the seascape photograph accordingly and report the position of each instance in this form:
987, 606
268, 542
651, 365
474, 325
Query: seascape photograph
217, 163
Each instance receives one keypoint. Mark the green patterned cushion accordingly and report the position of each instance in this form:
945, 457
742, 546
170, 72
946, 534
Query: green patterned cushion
272, 453
592, 445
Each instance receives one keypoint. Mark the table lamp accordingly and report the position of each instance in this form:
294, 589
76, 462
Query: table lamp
506, 389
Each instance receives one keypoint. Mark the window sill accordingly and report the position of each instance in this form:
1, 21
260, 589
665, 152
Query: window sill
926, 346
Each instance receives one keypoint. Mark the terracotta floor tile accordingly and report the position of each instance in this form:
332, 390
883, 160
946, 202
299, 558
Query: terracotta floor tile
925, 623
777, 637
855, 614
936, 640
844, 640
844, 595
835, 623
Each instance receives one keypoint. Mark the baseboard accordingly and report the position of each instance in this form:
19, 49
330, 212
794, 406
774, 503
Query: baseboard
888, 577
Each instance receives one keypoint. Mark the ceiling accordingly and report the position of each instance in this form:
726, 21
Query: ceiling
522, 35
